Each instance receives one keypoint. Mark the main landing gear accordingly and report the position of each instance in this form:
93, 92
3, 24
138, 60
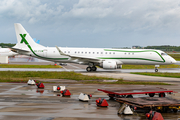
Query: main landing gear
93, 68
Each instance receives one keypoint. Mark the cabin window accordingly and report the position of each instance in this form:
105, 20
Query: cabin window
82, 52
113, 52
78, 52
93, 52
109, 52
105, 52
89, 52
132, 53
64, 51
85, 52
129, 53
97, 52
101, 52
68, 51
163, 54
125, 53
75, 52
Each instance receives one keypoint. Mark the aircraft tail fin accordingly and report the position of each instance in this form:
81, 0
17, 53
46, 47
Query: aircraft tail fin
24, 40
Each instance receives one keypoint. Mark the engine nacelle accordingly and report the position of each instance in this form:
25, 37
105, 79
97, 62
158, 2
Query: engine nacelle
109, 65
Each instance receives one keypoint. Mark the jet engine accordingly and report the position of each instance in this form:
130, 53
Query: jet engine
109, 65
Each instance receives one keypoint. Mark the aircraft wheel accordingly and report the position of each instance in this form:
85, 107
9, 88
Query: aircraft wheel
94, 68
175, 110
156, 70
129, 96
165, 109
111, 98
123, 96
89, 69
151, 94
162, 95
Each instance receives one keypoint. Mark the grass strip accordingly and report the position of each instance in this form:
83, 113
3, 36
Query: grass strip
148, 66
126, 82
28, 66
24, 76
15, 75
57, 66
173, 75
175, 56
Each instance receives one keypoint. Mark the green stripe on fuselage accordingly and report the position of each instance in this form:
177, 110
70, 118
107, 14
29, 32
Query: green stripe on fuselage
163, 60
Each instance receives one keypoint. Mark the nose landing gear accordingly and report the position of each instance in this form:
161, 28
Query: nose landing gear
156, 68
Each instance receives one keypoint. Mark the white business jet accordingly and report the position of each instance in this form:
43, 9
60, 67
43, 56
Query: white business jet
7, 52
106, 58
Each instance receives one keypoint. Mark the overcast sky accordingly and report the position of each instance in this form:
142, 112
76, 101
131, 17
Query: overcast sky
93, 23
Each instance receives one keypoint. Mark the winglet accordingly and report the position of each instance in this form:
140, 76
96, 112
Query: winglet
60, 52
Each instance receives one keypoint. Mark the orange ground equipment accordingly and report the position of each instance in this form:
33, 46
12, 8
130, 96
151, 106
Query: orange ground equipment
65, 93
58, 88
101, 102
40, 85
152, 115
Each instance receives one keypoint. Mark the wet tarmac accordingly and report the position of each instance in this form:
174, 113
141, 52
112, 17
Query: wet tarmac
19, 101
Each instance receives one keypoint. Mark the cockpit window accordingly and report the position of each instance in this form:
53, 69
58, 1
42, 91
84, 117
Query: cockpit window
163, 54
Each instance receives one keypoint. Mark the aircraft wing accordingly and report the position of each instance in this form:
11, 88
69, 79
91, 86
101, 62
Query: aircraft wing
18, 50
83, 58
80, 58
